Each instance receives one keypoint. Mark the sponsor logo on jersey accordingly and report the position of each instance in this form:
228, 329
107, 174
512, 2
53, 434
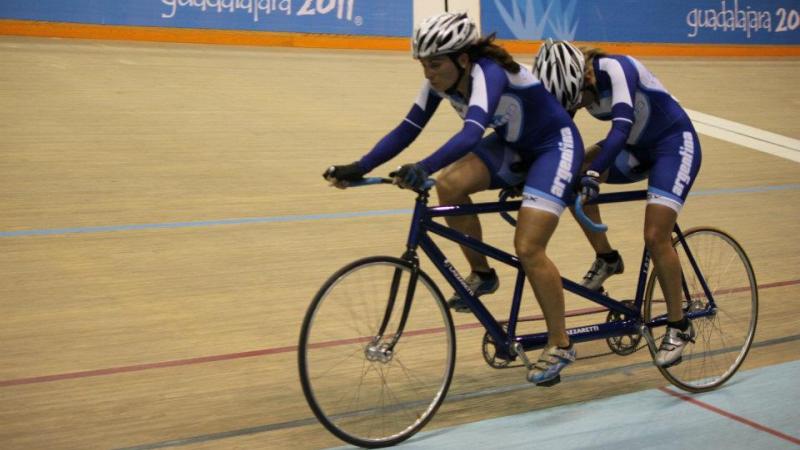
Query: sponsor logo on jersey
684, 172
564, 174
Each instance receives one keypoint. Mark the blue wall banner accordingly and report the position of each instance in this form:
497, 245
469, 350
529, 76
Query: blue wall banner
743, 27
768, 22
347, 17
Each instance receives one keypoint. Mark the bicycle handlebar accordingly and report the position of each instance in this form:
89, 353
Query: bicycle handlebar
584, 219
370, 180
429, 183
503, 197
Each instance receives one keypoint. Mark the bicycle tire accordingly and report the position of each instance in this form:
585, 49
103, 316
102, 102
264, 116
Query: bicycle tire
722, 339
366, 402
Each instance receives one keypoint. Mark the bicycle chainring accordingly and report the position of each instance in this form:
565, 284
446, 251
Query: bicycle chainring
626, 344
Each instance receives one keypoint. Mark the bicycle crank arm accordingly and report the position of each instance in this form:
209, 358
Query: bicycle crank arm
648, 336
516, 347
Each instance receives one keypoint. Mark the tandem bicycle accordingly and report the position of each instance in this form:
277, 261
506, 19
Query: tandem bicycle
377, 346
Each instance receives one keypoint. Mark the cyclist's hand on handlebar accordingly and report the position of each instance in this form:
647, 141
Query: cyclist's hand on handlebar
410, 176
590, 185
513, 191
341, 176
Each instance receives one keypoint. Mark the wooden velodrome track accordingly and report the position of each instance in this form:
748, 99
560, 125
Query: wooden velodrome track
174, 326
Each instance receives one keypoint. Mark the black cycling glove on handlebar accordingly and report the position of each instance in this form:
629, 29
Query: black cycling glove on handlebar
590, 185
347, 172
410, 176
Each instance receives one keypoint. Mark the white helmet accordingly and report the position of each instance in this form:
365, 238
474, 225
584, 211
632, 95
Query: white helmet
442, 34
560, 65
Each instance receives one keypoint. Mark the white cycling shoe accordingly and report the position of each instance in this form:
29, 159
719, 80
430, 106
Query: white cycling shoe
671, 349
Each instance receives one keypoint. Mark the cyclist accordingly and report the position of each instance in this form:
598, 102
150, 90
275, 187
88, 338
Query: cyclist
651, 137
534, 142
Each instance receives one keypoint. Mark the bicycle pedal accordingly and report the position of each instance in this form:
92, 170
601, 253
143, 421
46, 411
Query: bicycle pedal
550, 383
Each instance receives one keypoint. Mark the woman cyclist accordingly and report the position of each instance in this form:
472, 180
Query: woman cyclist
534, 143
651, 137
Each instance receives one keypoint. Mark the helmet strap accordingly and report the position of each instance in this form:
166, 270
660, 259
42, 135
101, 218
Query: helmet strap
461, 71
593, 89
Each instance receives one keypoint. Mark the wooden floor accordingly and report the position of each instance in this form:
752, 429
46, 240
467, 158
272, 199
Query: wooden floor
178, 322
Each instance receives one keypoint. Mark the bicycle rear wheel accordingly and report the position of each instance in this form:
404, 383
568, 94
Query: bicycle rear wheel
723, 338
358, 390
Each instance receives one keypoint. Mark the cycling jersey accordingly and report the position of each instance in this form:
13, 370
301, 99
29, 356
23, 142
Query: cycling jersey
650, 135
525, 117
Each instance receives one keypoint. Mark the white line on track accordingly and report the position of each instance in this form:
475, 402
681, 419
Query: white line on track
740, 134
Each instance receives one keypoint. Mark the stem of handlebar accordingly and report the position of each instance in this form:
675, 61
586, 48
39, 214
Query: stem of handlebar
584, 219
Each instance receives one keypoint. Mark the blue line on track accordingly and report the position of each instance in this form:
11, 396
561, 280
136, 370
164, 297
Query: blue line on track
207, 223
310, 217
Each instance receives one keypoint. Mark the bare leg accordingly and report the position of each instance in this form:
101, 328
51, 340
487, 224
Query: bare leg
454, 186
659, 222
534, 229
598, 240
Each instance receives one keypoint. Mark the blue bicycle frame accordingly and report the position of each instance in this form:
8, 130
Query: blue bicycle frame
423, 225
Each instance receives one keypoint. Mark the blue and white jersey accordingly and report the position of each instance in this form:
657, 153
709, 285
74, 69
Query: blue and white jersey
640, 108
517, 106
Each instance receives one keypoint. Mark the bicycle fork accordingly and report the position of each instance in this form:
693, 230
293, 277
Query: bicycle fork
378, 349
383, 351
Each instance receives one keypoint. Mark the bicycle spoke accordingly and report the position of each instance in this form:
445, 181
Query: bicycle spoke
723, 338
359, 389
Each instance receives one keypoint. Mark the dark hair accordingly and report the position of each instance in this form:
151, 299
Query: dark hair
485, 47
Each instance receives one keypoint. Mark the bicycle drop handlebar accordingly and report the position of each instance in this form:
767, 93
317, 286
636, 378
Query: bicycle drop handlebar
584, 219
579, 213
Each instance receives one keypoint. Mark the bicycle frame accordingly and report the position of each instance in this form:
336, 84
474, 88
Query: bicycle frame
422, 225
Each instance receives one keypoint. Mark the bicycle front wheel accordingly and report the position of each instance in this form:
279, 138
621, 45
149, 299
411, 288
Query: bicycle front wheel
361, 388
723, 338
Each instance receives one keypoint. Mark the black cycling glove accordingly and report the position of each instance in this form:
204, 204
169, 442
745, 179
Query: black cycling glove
590, 185
347, 172
410, 176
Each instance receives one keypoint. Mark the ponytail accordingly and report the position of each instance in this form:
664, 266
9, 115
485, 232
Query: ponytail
485, 47
591, 53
